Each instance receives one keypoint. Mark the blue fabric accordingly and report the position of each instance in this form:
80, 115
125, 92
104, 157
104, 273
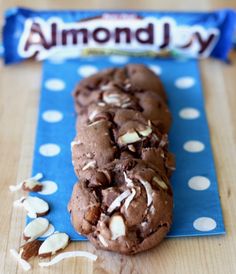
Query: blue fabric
189, 204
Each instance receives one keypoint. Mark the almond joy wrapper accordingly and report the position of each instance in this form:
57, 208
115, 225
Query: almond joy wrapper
43, 34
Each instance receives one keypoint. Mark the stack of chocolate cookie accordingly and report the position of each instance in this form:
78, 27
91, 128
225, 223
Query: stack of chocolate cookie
123, 201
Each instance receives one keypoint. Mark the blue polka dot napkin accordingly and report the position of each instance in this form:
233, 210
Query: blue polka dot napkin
197, 209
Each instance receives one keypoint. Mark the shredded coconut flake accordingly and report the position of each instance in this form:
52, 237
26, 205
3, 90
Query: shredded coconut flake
149, 191
128, 181
95, 123
93, 114
118, 200
89, 164
17, 187
25, 265
66, 255
102, 240
152, 210
37, 177
125, 105
160, 183
130, 198
74, 143
143, 224
101, 104
18, 202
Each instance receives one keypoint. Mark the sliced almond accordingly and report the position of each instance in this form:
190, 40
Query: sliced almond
117, 227
160, 183
32, 185
35, 206
30, 249
129, 138
19, 186
131, 148
145, 132
53, 244
149, 191
35, 228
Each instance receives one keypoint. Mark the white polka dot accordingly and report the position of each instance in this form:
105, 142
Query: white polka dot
189, 113
87, 70
156, 69
199, 183
49, 187
55, 84
49, 232
204, 224
49, 150
184, 82
118, 59
194, 146
52, 116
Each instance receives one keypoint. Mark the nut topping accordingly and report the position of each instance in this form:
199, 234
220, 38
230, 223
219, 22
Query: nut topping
131, 148
145, 132
129, 138
53, 244
32, 185
30, 249
35, 206
35, 228
117, 227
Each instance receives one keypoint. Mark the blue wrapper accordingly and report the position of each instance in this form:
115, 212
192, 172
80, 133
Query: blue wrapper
43, 34
234, 35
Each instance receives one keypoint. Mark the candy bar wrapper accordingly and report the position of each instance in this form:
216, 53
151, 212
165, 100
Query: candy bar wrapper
43, 34
234, 35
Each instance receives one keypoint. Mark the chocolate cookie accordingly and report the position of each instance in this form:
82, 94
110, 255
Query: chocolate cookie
132, 87
123, 201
